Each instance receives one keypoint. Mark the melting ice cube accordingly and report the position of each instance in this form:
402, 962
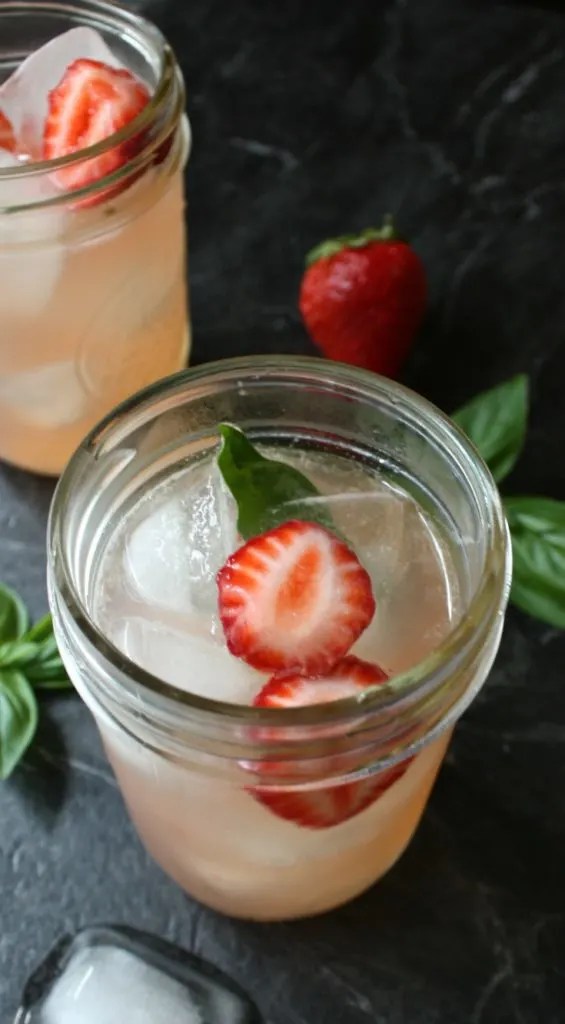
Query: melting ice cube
190, 661
110, 986
23, 97
50, 396
31, 242
173, 553
114, 976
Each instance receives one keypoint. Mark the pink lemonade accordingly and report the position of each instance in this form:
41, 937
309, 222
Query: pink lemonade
156, 599
276, 628
93, 302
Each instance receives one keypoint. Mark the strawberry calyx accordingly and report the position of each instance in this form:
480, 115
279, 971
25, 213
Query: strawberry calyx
329, 248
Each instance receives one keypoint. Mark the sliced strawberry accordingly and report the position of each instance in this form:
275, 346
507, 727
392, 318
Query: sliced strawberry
91, 102
323, 808
292, 690
7, 137
294, 598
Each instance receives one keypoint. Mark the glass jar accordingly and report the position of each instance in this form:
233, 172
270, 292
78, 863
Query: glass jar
93, 303
183, 762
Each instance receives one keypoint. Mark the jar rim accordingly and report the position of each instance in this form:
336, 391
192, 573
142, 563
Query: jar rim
486, 604
169, 82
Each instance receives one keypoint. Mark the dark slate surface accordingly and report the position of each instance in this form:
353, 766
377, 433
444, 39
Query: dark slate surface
311, 119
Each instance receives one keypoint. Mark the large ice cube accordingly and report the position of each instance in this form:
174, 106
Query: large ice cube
49, 396
174, 551
31, 242
191, 661
110, 986
23, 96
121, 976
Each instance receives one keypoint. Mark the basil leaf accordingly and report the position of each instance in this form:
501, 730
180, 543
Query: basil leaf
18, 719
46, 671
55, 682
267, 492
537, 527
48, 649
48, 675
18, 654
42, 631
539, 602
495, 421
14, 618
542, 516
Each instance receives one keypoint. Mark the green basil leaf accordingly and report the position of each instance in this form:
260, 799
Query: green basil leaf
538, 601
18, 654
267, 492
542, 516
495, 421
537, 527
48, 649
18, 719
55, 682
42, 631
14, 618
48, 675
46, 671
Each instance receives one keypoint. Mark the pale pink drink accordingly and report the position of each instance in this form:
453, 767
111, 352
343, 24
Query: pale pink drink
261, 811
93, 301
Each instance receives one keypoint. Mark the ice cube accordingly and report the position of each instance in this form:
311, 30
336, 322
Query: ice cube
116, 975
109, 986
374, 524
49, 396
174, 551
411, 583
31, 250
191, 661
23, 96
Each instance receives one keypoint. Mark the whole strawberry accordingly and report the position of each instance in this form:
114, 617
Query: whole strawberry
363, 299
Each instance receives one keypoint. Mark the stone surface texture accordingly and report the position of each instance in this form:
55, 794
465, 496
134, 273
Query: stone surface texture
311, 119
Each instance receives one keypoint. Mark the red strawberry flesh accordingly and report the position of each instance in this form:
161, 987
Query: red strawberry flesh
91, 103
295, 598
7, 137
346, 679
331, 805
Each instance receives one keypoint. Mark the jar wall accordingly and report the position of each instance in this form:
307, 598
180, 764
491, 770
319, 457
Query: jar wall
227, 850
97, 320
194, 771
94, 300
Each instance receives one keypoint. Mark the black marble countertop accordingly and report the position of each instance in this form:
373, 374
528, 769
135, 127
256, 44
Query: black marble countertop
311, 119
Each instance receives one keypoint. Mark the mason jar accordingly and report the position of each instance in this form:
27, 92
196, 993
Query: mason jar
186, 764
93, 303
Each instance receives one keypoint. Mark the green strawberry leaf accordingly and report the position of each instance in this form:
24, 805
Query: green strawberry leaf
267, 492
537, 527
495, 421
14, 618
18, 719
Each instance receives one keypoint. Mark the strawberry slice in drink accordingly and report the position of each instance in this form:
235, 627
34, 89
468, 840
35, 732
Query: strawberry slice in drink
91, 102
333, 804
7, 137
294, 598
